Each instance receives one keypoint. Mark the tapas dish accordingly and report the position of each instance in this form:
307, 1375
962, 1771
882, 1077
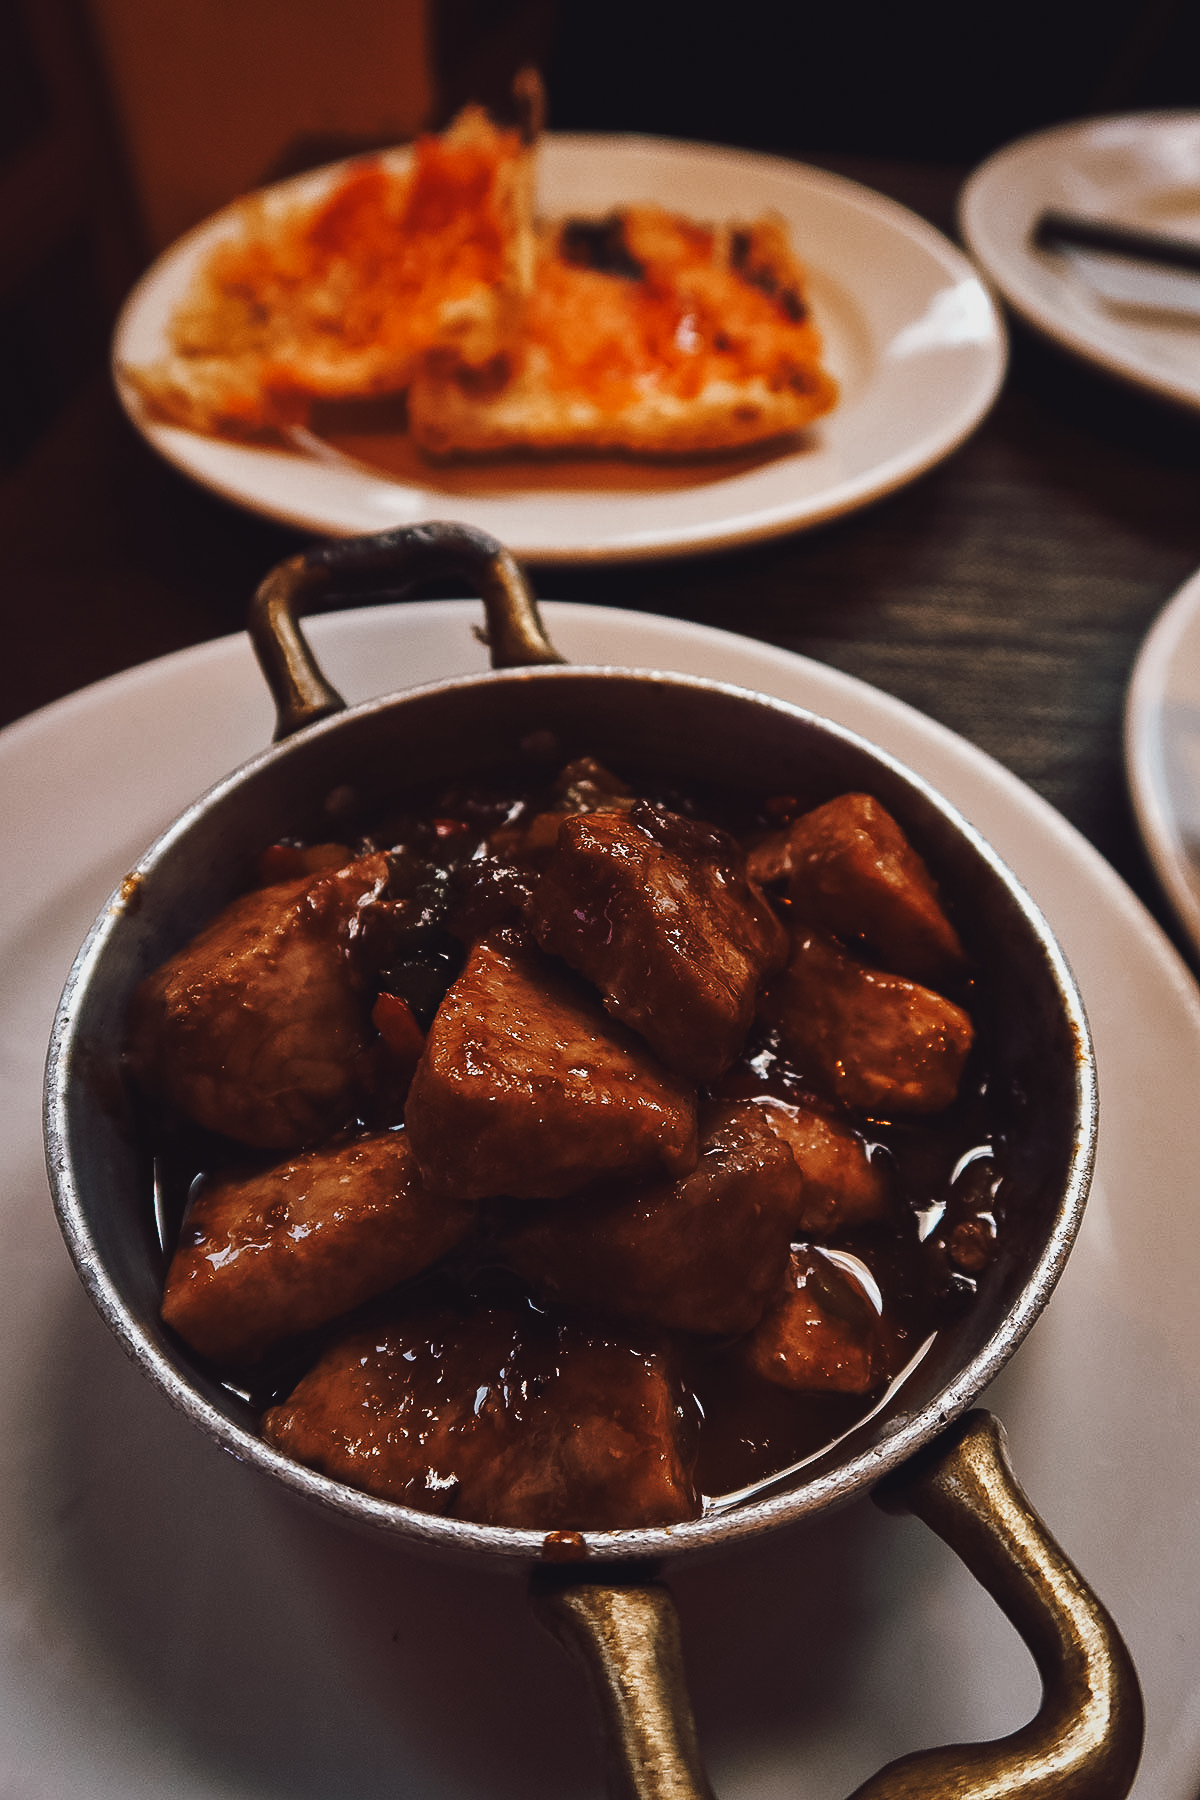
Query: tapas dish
859, 348
124, 1490
1040, 1052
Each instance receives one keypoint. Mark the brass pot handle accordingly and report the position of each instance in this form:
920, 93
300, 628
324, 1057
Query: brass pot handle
627, 1638
1083, 1743
388, 562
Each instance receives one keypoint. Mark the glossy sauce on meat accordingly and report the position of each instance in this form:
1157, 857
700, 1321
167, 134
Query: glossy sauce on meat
668, 1189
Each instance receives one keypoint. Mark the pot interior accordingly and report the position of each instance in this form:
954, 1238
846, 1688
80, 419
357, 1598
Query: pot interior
678, 727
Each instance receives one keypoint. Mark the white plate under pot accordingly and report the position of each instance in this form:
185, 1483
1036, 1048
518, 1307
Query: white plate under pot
171, 1625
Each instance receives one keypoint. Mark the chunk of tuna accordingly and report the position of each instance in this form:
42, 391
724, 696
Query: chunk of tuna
822, 1336
851, 870
876, 1041
501, 1418
703, 1253
839, 1184
658, 912
263, 1256
259, 1028
527, 1088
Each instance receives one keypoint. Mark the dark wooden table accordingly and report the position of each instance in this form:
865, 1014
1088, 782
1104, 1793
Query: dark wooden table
1005, 593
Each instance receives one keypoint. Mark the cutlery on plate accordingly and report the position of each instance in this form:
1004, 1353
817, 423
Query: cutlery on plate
1128, 267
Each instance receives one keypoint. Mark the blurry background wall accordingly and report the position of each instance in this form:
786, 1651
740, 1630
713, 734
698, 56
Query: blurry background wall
70, 240
946, 80
213, 95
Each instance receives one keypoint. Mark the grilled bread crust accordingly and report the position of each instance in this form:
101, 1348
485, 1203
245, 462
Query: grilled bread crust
342, 298
644, 333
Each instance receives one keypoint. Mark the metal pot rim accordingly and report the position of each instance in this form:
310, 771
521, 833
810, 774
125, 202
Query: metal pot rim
859, 1470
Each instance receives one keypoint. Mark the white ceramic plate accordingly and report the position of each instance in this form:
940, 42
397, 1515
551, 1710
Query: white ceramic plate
911, 334
169, 1624
1162, 750
1142, 169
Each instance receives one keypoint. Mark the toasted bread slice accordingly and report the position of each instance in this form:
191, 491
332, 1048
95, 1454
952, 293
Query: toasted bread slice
341, 298
644, 333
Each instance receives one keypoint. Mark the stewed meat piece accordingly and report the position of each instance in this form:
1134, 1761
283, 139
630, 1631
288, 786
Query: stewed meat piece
703, 1253
583, 786
839, 1184
851, 870
543, 1284
822, 1335
658, 912
875, 1041
258, 1028
500, 1417
526, 1087
267, 1254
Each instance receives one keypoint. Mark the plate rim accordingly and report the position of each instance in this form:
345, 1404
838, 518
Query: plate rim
971, 401
1009, 274
1143, 746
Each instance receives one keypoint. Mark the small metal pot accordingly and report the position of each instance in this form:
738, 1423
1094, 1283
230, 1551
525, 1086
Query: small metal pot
924, 1452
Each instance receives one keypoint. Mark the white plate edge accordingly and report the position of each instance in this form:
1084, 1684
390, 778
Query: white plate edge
1144, 754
